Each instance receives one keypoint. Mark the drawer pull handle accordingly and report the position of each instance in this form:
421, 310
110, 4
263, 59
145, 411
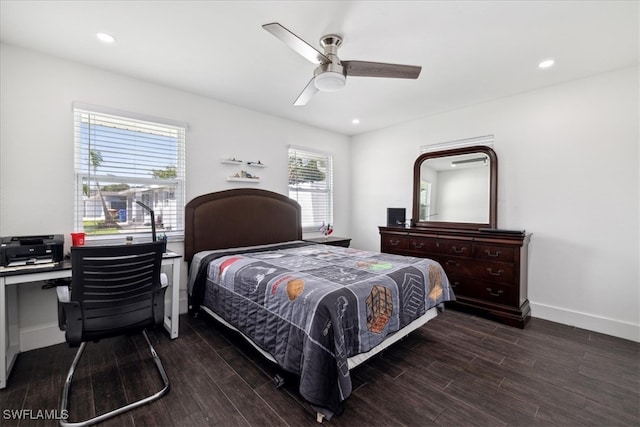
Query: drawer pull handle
458, 251
495, 255
418, 246
495, 273
394, 242
455, 284
452, 262
495, 294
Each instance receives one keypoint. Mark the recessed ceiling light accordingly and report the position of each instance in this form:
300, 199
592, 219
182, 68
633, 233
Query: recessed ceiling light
355, 121
105, 38
546, 63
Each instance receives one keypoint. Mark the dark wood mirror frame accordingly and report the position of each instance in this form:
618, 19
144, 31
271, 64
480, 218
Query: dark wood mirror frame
493, 189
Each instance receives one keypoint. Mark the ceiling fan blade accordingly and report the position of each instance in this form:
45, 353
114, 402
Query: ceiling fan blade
379, 69
307, 93
296, 43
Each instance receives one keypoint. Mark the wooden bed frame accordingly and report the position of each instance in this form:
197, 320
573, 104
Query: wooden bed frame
249, 217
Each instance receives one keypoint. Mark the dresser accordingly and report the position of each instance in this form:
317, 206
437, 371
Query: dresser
487, 270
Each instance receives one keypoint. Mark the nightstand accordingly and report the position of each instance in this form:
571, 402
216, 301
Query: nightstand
330, 240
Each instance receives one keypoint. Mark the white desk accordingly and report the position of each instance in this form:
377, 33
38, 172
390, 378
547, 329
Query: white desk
9, 328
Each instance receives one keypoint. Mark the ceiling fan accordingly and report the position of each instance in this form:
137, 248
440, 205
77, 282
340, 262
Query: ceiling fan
331, 73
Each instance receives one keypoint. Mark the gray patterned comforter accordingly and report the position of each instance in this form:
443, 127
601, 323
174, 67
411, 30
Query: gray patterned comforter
312, 306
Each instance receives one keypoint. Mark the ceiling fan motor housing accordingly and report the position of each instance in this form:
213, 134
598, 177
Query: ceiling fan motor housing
330, 77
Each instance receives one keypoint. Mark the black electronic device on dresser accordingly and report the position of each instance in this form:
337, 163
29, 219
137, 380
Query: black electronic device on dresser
486, 266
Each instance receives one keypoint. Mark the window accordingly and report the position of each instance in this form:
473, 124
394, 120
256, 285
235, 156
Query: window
425, 199
311, 185
121, 160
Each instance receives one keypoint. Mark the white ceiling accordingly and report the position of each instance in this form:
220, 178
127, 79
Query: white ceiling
470, 52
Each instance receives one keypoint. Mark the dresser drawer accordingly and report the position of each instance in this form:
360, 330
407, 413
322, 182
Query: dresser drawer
393, 243
423, 244
490, 292
455, 247
481, 270
495, 252
494, 271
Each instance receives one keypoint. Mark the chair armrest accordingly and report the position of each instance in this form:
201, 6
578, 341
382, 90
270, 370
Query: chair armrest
63, 297
70, 321
63, 293
164, 280
158, 305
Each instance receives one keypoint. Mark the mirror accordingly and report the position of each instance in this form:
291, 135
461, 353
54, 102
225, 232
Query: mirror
456, 188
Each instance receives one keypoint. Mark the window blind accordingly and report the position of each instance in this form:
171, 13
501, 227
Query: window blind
311, 185
122, 160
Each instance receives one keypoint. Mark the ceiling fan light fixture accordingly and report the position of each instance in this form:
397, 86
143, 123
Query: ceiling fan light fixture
330, 81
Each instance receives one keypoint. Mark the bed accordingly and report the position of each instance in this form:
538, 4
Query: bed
315, 310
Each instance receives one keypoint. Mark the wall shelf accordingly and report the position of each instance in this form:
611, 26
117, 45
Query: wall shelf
242, 175
233, 178
240, 162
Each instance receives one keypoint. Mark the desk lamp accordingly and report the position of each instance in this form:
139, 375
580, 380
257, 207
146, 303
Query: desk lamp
153, 220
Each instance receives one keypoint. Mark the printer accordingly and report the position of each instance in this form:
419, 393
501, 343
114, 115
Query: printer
26, 250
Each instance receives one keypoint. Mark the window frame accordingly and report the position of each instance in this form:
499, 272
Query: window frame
328, 207
174, 190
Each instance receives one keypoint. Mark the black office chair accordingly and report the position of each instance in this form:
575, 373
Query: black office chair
115, 290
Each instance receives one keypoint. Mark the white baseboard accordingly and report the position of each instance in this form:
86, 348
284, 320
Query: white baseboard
40, 336
604, 325
48, 334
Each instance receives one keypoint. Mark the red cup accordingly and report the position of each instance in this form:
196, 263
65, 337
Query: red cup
77, 239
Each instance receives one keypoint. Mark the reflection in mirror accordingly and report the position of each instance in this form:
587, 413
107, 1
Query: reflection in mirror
456, 188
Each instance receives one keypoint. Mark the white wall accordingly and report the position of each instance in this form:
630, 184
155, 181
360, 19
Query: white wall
463, 195
36, 153
568, 173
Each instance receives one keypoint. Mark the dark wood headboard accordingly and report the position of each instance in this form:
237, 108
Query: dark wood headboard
239, 217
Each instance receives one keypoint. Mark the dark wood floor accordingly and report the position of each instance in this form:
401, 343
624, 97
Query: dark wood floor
457, 370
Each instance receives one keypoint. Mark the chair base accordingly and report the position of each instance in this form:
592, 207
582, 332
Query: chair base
113, 413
